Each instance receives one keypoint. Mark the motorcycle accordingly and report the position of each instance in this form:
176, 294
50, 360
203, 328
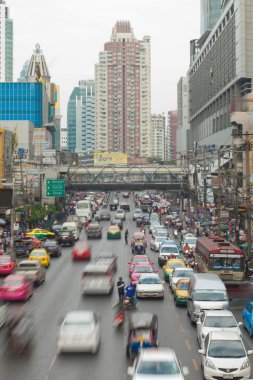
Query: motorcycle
119, 320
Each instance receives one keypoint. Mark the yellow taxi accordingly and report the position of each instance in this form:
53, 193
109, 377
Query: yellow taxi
41, 255
181, 291
40, 233
170, 265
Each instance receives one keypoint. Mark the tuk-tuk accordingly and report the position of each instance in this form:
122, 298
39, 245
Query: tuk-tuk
143, 332
138, 243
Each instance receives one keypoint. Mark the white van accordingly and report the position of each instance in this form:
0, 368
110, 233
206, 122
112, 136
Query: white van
206, 292
84, 209
73, 227
97, 277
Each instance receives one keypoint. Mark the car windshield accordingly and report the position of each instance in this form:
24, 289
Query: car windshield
175, 265
144, 269
190, 241
169, 249
50, 244
210, 295
4, 260
182, 273
159, 239
12, 282
38, 253
150, 280
226, 349
140, 261
69, 228
220, 321
182, 285
158, 368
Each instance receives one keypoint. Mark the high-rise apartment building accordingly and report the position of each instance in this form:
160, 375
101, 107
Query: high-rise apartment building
81, 117
6, 44
210, 11
158, 136
182, 115
172, 135
123, 93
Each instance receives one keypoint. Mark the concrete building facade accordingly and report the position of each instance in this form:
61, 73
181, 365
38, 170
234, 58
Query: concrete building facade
23, 132
6, 44
64, 138
158, 140
221, 74
123, 93
172, 135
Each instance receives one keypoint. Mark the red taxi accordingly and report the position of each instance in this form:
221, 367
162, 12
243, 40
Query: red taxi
81, 251
7, 265
138, 259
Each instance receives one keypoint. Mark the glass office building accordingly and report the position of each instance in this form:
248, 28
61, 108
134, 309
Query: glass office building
210, 13
24, 101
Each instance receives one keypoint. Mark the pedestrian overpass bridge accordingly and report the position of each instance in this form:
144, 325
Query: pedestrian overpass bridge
122, 177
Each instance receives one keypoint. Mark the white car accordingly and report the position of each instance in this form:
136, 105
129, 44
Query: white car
179, 274
120, 214
159, 231
154, 225
166, 251
79, 332
211, 320
191, 241
157, 363
155, 242
149, 285
137, 213
224, 356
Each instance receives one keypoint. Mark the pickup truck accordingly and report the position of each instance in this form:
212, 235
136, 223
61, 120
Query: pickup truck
32, 270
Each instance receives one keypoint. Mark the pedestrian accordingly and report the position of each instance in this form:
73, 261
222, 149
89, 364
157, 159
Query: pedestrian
126, 237
121, 289
4, 244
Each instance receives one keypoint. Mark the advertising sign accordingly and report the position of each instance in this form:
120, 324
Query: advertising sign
110, 158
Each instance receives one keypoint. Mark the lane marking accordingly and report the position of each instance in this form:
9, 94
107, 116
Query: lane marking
50, 367
195, 364
188, 345
181, 327
177, 316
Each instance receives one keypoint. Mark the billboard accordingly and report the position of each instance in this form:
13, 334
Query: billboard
110, 158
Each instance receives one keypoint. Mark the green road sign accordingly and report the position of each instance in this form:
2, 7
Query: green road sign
55, 188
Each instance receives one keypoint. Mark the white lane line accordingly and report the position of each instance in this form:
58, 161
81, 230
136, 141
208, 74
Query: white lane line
50, 367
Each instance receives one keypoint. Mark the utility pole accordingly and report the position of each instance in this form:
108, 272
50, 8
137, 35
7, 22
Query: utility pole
235, 185
248, 192
219, 191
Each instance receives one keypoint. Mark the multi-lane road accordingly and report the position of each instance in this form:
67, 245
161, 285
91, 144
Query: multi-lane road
61, 293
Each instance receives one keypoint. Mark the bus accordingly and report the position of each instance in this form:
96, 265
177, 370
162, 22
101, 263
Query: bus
84, 210
217, 255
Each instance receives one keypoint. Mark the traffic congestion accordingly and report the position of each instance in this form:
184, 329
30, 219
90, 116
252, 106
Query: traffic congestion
124, 289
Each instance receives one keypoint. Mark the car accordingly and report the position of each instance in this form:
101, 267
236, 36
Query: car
16, 287
94, 231
137, 213
113, 232
56, 228
113, 206
66, 238
120, 214
81, 251
155, 242
23, 246
124, 206
7, 265
247, 315
153, 225
32, 270
224, 356
108, 257
181, 291
157, 363
79, 332
170, 265
149, 285
40, 233
105, 215
160, 231
140, 268
41, 255
177, 274
117, 222
216, 320
53, 248
167, 251
138, 259
126, 194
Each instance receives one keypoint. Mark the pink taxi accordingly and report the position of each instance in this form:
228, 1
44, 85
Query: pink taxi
138, 259
16, 288
139, 269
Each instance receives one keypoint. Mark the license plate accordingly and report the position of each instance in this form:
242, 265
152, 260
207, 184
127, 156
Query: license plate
228, 376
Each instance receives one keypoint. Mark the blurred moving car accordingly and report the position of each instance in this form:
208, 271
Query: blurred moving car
137, 213
66, 238
94, 231
120, 214
224, 354
218, 320
247, 315
157, 363
53, 248
7, 265
113, 232
16, 287
170, 265
108, 257
79, 332
41, 255
32, 270
81, 251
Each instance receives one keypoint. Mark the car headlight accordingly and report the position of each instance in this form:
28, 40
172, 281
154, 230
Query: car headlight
209, 364
245, 364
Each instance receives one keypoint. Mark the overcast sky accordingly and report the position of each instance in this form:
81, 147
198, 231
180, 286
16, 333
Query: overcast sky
71, 34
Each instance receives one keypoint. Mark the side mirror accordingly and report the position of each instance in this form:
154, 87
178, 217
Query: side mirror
185, 371
240, 323
202, 352
130, 371
250, 352
198, 322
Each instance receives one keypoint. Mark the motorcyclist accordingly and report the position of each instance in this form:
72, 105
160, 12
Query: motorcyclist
130, 293
186, 248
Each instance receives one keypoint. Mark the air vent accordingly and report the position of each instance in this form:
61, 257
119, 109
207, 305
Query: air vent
224, 244
218, 240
